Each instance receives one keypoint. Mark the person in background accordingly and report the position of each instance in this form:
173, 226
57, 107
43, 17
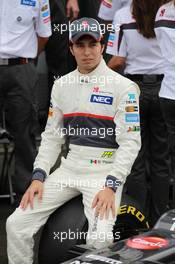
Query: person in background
109, 7
134, 46
106, 15
89, 8
24, 31
165, 33
92, 115
59, 60
58, 56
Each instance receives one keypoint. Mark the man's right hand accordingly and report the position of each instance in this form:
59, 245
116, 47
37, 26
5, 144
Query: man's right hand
36, 187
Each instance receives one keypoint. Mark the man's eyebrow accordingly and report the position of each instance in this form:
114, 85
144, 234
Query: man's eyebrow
82, 42
78, 42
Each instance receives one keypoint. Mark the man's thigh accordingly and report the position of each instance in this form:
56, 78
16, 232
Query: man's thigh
55, 194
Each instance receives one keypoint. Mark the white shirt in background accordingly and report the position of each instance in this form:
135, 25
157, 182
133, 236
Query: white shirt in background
165, 32
143, 56
21, 21
109, 7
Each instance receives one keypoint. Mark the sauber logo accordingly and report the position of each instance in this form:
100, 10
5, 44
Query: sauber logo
162, 12
85, 23
147, 243
96, 89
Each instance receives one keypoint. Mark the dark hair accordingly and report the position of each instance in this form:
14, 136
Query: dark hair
167, 1
144, 12
102, 41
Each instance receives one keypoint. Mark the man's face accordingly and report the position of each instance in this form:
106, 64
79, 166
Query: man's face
87, 52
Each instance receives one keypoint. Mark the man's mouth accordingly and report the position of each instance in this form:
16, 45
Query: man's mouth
87, 60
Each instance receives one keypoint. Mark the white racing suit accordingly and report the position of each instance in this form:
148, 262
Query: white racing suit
99, 113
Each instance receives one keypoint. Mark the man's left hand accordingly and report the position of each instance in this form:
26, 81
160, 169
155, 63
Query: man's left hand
72, 9
103, 202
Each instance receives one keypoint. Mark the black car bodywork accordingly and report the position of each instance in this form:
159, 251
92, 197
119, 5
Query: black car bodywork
153, 247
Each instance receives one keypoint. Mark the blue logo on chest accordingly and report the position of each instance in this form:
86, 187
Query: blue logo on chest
100, 99
28, 2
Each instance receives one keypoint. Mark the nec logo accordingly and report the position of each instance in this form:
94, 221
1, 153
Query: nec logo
101, 99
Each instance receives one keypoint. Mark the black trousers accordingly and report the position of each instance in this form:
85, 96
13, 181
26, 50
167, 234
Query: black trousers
149, 180
89, 8
17, 89
168, 109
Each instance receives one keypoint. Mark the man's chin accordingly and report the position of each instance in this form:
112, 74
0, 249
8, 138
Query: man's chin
90, 66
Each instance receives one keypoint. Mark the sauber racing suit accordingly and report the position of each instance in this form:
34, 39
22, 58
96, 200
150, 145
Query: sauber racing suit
99, 114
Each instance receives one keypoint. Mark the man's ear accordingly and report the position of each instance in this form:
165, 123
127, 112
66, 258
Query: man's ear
71, 49
102, 48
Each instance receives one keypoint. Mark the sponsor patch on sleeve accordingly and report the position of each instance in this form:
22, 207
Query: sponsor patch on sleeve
131, 118
50, 113
46, 14
133, 129
46, 20
107, 3
131, 108
111, 40
44, 8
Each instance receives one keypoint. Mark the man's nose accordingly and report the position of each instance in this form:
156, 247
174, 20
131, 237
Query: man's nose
86, 51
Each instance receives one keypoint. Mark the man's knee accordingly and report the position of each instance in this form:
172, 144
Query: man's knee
13, 223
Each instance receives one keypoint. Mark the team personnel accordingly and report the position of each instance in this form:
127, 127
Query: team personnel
134, 46
24, 30
106, 14
165, 33
109, 7
88, 107
57, 56
89, 8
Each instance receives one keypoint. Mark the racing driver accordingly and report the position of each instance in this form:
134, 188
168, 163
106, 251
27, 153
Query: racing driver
97, 110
